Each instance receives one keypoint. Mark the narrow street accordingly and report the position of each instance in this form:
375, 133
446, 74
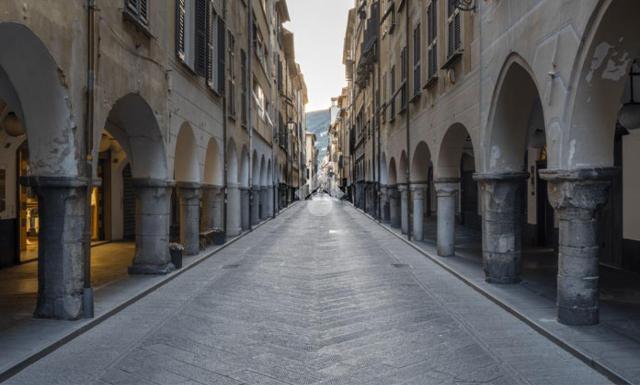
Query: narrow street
320, 295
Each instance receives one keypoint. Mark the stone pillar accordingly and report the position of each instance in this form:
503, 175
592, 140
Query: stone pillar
394, 206
577, 196
153, 208
263, 203
212, 207
61, 259
384, 204
244, 208
255, 205
189, 195
234, 210
502, 220
447, 193
270, 191
404, 208
418, 193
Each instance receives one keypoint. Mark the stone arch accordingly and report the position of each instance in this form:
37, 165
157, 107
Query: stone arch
34, 87
393, 175
243, 176
269, 174
232, 163
263, 172
421, 163
186, 166
213, 167
132, 123
402, 168
599, 79
384, 178
255, 164
455, 143
515, 98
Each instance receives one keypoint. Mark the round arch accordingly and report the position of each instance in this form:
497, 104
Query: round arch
213, 167
393, 175
263, 172
421, 163
455, 142
402, 168
186, 167
243, 176
232, 163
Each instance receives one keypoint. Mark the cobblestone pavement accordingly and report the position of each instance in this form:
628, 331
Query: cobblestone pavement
321, 295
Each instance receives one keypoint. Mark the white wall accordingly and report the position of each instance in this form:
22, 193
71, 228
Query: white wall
631, 186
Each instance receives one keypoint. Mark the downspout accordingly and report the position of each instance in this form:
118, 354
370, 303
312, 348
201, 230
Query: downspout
378, 98
87, 292
224, 140
275, 132
408, 124
249, 100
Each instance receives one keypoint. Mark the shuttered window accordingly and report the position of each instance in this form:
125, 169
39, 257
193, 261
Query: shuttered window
180, 29
231, 100
454, 19
417, 59
201, 27
244, 85
404, 71
432, 40
139, 10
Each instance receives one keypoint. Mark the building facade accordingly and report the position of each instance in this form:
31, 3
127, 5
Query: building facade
515, 119
138, 121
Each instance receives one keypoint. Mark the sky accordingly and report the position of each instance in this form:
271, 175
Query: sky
319, 27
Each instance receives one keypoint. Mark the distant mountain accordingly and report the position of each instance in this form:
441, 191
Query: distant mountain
318, 123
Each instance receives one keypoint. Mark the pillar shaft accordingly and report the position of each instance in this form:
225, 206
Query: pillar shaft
269, 200
263, 202
212, 208
577, 196
189, 195
384, 204
61, 262
255, 205
502, 225
418, 193
447, 193
404, 208
234, 210
153, 208
394, 207
245, 209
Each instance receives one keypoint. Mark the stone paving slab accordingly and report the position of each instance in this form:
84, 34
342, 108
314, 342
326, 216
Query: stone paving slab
321, 295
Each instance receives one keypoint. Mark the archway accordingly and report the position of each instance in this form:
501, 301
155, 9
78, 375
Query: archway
457, 191
245, 163
514, 197
394, 195
187, 177
421, 190
213, 189
600, 125
40, 178
131, 123
234, 209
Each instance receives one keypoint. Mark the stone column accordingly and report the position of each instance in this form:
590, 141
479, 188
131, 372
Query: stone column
263, 203
244, 208
269, 200
394, 206
447, 193
255, 205
404, 208
153, 208
502, 195
234, 210
212, 207
418, 192
61, 259
189, 195
384, 204
577, 196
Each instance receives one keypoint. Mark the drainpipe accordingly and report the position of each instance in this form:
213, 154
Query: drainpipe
250, 99
87, 293
408, 124
378, 98
224, 141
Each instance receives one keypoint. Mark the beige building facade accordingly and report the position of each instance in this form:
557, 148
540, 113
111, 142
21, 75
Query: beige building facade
514, 119
149, 122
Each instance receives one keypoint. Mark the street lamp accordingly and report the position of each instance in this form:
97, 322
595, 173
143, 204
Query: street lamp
464, 5
629, 116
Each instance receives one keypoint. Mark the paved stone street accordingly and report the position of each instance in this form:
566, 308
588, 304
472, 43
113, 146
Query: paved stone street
321, 295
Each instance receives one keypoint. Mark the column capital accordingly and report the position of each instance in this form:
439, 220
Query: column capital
506, 176
152, 182
578, 189
209, 186
402, 187
53, 181
446, 187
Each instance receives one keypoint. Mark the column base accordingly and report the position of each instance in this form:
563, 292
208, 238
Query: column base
142, 269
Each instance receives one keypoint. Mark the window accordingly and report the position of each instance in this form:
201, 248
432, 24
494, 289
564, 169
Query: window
416, 61
432, 40
404, 72
231, 101
138, 11
244, 84
454, 28
215, 50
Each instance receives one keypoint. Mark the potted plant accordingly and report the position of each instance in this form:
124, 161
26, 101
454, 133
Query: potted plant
176, 250
218, 236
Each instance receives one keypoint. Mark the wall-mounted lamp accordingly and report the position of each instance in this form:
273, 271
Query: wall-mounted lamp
629, 116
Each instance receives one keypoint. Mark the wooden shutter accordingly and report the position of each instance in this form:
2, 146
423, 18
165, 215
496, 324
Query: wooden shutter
143, 11
211, 42
180, 17
200, 63
221, 56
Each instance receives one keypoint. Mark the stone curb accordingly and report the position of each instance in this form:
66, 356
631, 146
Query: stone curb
575, 351
90, 324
